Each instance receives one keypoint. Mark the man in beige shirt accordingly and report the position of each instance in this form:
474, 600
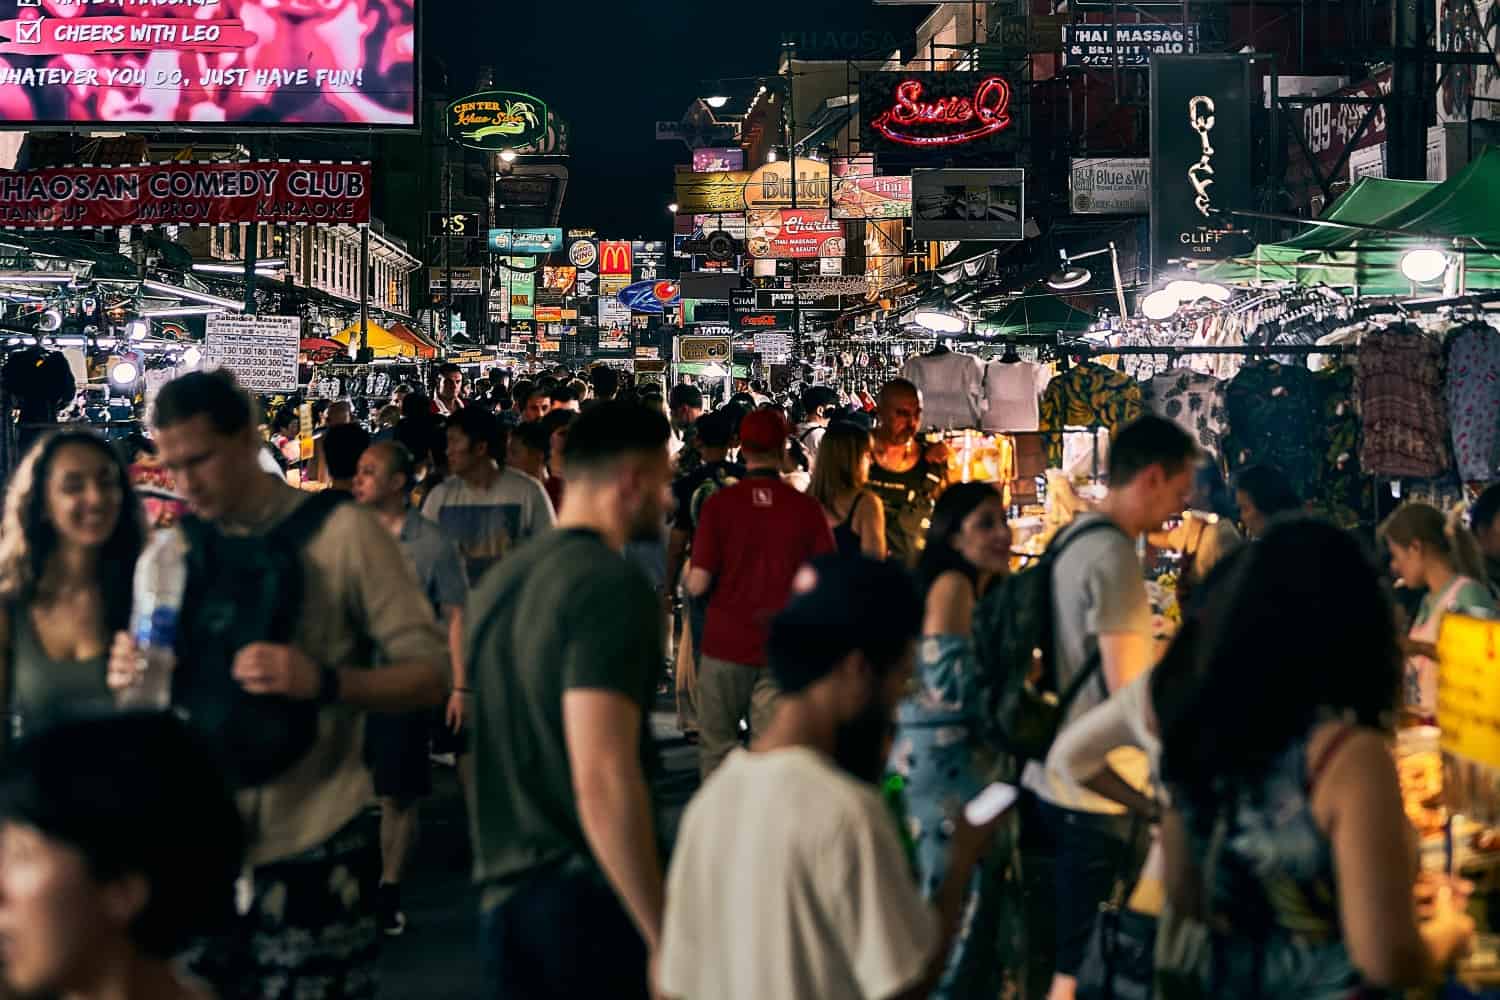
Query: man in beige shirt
309, 928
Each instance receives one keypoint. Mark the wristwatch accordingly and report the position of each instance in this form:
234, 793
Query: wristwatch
328, 686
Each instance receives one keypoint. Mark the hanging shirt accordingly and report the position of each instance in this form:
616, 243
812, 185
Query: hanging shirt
1012, 395
1275, 419
1087, 395
1473, 401
1192, 400
1345, 494
1400, 384
951, 385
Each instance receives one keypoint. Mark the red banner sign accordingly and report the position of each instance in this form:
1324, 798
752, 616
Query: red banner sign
794, 233
186, 194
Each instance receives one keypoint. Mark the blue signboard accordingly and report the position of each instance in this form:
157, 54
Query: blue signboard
651, 296
526, 240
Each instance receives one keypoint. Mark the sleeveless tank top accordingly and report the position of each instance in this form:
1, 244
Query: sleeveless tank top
845, 539
44, 689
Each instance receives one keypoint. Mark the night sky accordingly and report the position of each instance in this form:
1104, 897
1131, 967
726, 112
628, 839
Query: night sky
614, 69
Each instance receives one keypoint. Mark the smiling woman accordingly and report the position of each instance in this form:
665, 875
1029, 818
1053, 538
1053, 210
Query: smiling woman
72, 531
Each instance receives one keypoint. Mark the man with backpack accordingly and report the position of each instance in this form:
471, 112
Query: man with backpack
1099, 641
291, 600
819, 403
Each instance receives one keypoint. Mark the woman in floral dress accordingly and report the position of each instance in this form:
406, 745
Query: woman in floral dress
938, 750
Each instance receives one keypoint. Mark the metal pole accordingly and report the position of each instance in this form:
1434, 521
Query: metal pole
1114, 262
791, 147
252, 247
364, 290
447, 246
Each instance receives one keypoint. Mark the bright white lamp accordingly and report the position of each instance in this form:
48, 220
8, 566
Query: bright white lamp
508, 155
1159, 304
192, 357
716, 102
1424, 265
137, 329
123, 373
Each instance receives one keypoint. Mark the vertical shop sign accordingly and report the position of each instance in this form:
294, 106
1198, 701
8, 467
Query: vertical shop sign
1200, 156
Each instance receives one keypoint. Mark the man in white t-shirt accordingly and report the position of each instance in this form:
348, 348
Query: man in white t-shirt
1102, 623
789, 877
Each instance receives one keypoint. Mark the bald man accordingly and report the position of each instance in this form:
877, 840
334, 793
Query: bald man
907, 477
396, 744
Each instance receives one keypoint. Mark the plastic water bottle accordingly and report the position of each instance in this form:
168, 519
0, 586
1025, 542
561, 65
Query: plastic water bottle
160, 578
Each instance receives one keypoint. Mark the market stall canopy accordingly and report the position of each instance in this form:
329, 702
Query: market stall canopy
1035, 314
425, 347
1453, 213
321, 348
387, 343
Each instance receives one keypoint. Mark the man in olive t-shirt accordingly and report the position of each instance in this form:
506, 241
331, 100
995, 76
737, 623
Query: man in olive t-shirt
564, 651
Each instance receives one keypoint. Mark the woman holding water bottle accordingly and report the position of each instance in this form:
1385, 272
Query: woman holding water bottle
71, 534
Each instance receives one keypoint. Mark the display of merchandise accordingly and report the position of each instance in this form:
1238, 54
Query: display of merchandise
952, 386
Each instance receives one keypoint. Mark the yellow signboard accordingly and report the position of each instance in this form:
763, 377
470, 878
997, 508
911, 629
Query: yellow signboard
1469, 689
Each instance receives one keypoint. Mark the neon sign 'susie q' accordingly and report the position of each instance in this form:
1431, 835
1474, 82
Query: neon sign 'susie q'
988, 110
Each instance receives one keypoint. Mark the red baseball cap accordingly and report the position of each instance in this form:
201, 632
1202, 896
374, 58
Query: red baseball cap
764, 432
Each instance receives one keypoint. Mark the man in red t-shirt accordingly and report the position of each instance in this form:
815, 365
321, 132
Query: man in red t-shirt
752, 538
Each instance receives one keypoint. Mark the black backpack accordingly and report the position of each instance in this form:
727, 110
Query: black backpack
242, 590
1015, 648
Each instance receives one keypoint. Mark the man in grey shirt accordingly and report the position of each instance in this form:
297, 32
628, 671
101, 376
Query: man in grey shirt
1101, 615
396, 743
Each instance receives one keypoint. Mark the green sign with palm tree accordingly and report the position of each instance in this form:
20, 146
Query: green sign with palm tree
497, 120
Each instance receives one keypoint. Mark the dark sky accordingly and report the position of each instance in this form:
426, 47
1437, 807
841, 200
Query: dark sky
614, 69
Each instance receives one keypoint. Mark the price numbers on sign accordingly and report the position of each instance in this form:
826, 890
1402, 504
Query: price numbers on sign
458, 225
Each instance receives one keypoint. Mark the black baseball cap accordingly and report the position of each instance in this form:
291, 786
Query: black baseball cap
840, 604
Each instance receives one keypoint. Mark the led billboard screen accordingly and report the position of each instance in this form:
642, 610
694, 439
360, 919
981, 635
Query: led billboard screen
205, 63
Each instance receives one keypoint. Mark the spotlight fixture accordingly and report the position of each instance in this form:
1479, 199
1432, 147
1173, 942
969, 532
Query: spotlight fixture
137, 329
716, 102
508, 155
124, 373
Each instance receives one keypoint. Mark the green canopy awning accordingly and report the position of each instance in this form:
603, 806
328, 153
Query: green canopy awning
1035, 314
1455, 213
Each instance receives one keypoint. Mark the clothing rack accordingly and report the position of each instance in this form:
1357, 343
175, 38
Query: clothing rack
1099, 350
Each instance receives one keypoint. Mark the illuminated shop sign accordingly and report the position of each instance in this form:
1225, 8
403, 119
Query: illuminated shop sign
934, 110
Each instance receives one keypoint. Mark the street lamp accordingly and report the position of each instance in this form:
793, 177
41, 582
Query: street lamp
1070, 275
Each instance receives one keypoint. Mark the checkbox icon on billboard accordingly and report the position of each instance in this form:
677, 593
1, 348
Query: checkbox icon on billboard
29, 32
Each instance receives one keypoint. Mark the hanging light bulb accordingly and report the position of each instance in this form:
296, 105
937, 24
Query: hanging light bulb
192, 357
1424, 265
137, 329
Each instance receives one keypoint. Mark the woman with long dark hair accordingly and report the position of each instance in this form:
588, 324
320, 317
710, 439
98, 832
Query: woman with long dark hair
1287, 835
71, 534
938, 750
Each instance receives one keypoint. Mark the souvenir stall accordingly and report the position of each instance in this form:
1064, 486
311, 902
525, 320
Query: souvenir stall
1450, 786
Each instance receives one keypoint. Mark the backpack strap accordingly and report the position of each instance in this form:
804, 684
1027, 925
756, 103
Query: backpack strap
1093, 666
298, 527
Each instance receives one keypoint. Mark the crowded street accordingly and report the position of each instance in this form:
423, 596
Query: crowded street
849, 500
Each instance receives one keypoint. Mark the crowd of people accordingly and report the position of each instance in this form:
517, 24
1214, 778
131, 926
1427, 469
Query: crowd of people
503, 571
